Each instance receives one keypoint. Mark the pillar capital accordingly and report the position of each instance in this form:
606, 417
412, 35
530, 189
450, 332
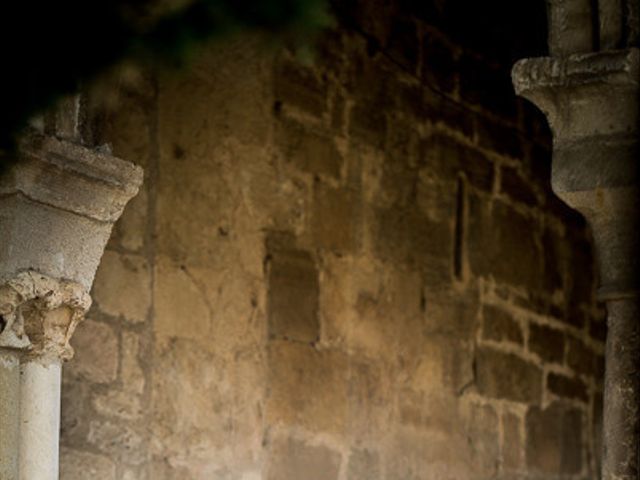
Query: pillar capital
592, 104
39, 315
59, 203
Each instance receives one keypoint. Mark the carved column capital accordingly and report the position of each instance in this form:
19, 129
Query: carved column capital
39, 315
592, 104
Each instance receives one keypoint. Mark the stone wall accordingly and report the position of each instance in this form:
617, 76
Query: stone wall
350, 269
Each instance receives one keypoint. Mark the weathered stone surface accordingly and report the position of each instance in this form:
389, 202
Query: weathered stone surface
502, 244
499, 325
504, 375
118, 440
309, 151
181, 306
449, 158
516, 187
384, 370
335, 219
567, 387
554, 436
96, 347
293, 459
363, 464
293, 296
512, 442
307, 387
580, 358
123, 286
79, 465
546, 342
300, 87
117, 404
484, 439
131, 374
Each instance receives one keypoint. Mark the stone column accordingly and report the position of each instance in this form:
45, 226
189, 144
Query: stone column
58, 204
592, 104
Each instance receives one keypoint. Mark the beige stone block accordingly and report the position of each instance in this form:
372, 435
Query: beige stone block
413, 454
118, 440
205, 408
512, 444
307, 387
78, 465
444, 364
435, 413
294, 460
130, 230
483, 437
123, 286
181, 308
118, 404
358, 299
131, 373
96, 352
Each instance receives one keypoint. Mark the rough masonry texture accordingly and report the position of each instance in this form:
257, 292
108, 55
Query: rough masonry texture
353, 269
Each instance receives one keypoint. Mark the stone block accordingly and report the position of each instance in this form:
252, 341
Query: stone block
363, 465
433, 413
502, 244
131, 373
409, 237
499, 325
581, 273
130, 230
118, 405
484, 439
567, 387
370, 392
96, 352
512, 442
300, 87
307, 388
507, 376
308, 150
499, 138
123, 286
368, 124
441, 113
547, 343
448, 158
181, 309
118, 440
75, 409
580, 358
445, 364
516, 187
554, 439
79, 465
293, 296
555, 261
335, 218
291, 459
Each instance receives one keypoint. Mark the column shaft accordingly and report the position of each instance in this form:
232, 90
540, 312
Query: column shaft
9, 414
622, 391
40, 420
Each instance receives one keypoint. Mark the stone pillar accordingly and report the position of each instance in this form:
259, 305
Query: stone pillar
58, 204
592, 104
